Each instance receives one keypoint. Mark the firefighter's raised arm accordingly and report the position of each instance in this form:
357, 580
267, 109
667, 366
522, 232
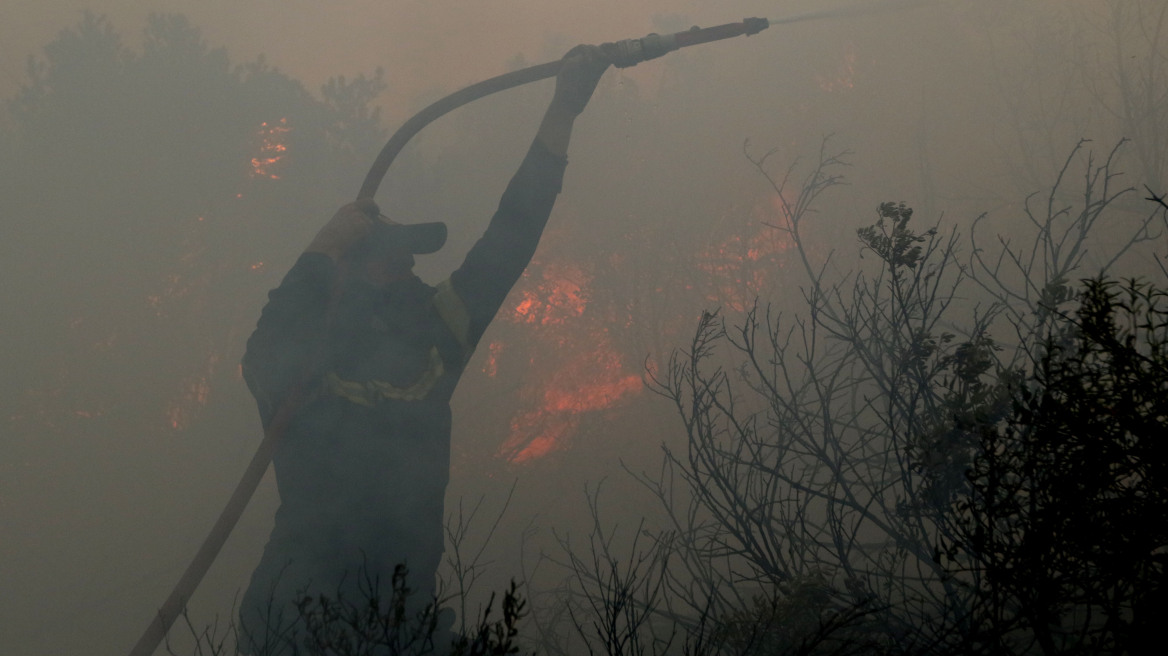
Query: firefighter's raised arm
581, 71
497, 260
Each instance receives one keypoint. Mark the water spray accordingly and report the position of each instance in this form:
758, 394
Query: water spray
623, 54
851, 11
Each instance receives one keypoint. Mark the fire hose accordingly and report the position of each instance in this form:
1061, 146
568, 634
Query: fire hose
622, 54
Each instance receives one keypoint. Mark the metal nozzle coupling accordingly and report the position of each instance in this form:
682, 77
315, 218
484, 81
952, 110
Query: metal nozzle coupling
631, 52
755, 25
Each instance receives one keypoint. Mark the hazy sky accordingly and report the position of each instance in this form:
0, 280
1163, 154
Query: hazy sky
422, 44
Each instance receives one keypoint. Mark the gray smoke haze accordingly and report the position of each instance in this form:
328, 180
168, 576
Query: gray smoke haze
137, 251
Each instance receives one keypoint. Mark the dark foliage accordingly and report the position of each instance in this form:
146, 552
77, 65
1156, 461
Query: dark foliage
1065, 525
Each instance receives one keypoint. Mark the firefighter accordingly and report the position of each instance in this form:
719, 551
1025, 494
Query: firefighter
363, 465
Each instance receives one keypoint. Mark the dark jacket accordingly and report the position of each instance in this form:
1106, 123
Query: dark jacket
363, 466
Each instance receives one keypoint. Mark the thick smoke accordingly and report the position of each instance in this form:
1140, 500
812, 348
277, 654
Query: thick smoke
158, 177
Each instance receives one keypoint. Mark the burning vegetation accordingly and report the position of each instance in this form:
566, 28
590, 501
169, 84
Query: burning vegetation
844, 76
271, 139
573, 367
570, 328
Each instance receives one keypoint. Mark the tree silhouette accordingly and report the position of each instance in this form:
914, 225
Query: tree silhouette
151, 191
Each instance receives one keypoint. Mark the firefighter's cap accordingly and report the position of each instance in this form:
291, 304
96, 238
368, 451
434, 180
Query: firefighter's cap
419, 238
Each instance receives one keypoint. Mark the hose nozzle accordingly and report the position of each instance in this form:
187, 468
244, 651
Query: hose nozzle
754, 25
631, 52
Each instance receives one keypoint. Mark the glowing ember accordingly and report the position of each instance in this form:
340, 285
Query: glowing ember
272, 149
174, 289
491, 367
843, 77
196, 392
552, 433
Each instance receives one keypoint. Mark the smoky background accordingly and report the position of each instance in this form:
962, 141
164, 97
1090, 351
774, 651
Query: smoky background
138, 244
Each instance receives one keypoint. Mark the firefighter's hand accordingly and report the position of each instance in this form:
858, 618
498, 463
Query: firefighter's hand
578, 77
348, 226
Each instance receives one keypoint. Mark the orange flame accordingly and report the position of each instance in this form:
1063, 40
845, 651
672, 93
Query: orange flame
593, 380
559, 297
569, 357
738, 267
272, 149
575, 368
196, 392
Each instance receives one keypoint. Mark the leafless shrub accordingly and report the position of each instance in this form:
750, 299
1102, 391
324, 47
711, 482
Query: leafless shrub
824, 450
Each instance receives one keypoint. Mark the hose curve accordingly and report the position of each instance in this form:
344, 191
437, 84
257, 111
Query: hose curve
442, 107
